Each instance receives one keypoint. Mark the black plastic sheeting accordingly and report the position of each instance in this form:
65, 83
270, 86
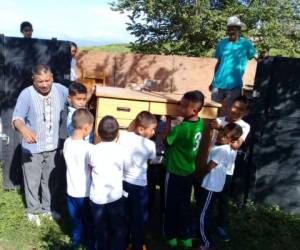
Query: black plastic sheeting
276, 134
17, 57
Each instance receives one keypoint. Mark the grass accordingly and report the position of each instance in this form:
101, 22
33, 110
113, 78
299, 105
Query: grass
254, 227
112, 48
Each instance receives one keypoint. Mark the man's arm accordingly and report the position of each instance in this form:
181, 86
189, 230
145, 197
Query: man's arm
26, 133
19, 115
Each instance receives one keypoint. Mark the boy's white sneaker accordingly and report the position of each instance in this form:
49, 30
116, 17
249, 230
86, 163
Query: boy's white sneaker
52, 215
34, 219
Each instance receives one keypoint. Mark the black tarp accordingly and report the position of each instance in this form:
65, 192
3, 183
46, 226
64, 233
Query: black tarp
276, 127
17, 57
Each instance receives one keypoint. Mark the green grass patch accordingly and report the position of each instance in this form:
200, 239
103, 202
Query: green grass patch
112, 48
254, 227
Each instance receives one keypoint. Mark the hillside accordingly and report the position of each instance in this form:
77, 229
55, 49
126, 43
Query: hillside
113, 48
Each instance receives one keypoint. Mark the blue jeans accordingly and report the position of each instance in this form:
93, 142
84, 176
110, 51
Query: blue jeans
109, 221
137, 213
81, 221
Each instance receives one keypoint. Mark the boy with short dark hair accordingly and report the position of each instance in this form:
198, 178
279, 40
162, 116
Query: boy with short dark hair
182, 149
214, 173
78, 176
107, 160
78, 97
238, 110
140, 149
26, 29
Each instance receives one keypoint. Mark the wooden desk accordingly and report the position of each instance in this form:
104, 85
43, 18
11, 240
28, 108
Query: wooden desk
124, 104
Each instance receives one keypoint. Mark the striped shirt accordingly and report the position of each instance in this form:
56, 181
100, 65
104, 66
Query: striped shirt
42, 116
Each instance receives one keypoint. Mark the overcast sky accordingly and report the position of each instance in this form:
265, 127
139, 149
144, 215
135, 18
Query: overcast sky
85, 21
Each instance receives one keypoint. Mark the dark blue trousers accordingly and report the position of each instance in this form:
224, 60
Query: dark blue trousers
207, 203
109, 221
178, 211
137, 213
82, 227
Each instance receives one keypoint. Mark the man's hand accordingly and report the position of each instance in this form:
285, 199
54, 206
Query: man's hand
28, 135
214, 124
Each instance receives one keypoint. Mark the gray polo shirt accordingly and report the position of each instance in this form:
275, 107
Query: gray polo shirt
42, 116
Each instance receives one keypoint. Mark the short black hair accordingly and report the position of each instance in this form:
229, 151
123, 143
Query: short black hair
195, 97
108, 128
81, 117
77, 88
73, 44
144, 119
242, 99
24, 25
41, 68
232, 130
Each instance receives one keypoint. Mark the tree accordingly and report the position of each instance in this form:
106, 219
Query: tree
193, 27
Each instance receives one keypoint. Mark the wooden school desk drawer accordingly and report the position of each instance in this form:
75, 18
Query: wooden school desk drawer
120, 108
163, 108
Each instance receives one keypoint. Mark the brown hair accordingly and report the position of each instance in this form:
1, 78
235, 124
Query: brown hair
232, 130
108, 128
144, 119
81, 117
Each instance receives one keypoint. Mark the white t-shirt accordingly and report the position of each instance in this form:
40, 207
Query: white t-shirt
107, 161
78, 171
215, 179
73, 70
246, 129
140, 150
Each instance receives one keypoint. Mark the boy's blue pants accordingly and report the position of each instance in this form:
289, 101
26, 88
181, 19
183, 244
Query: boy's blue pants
137, 213
81, 221
178, 211
110, 229
207, 200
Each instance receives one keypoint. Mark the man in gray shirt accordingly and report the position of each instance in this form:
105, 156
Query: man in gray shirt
37, 118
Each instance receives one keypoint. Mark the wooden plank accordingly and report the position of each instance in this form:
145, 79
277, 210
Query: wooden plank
125, 93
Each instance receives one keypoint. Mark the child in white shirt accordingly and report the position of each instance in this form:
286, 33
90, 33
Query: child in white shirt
238, 110
140, 149
78, 176
107, 161
218, 162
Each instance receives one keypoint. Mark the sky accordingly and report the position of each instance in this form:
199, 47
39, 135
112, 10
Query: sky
87, 22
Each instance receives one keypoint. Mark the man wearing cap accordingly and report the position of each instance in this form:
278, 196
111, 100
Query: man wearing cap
232, 53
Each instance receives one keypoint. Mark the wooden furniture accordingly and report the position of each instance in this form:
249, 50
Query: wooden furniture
124, 104
89, 79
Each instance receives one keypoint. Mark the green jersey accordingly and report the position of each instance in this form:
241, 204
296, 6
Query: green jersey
183, 144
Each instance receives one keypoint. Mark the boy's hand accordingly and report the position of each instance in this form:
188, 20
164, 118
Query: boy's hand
167, 128
199, 176
214, 124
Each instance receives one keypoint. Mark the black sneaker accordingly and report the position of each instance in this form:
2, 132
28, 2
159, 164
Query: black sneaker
221, 232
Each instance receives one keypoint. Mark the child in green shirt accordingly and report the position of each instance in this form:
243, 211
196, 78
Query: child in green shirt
183, 143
